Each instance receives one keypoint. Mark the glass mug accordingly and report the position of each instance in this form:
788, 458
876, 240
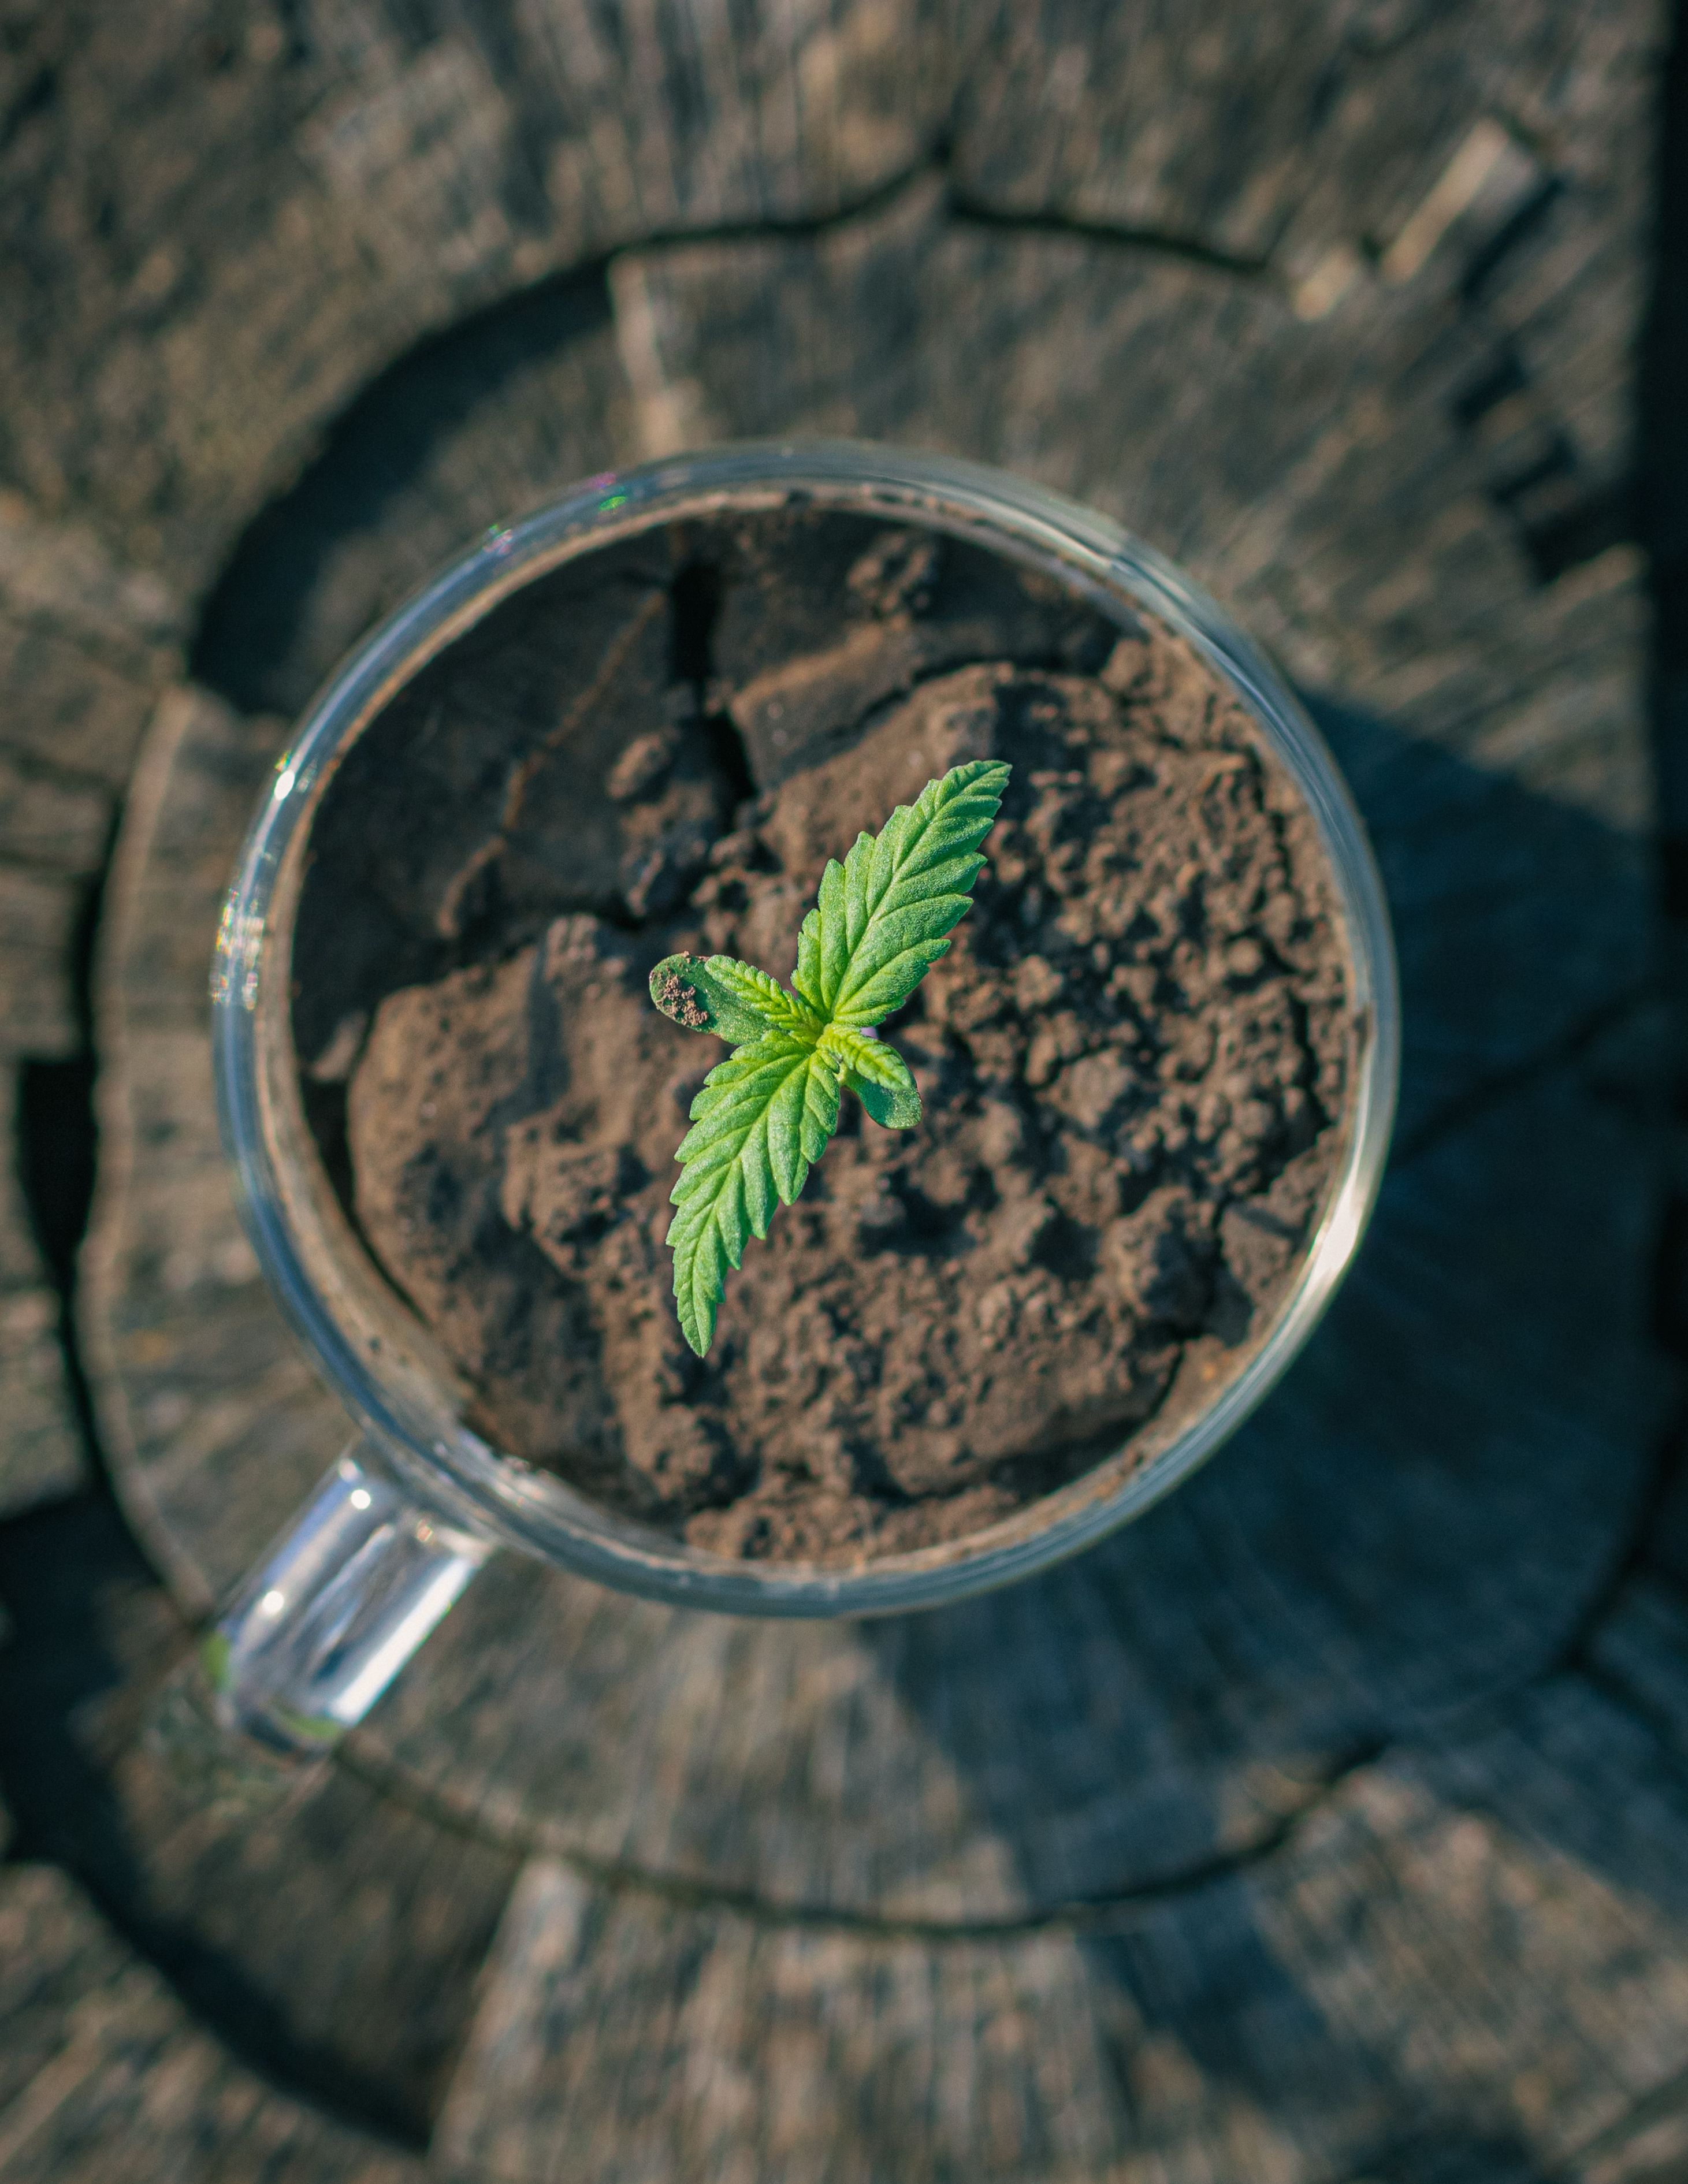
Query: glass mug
412, 1510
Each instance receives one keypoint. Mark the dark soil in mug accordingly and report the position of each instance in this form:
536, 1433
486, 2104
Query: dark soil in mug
1135, 1061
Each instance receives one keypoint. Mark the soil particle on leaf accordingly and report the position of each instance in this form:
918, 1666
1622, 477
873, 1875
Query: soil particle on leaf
1134, 1060
678, 1000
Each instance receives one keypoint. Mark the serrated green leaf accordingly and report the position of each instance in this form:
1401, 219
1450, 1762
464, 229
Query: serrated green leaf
761, 1120
735, 1000
764, 1114
883, 917
875, 1059
878, 1075
688, 995
682, 988
755, 989
891, 1110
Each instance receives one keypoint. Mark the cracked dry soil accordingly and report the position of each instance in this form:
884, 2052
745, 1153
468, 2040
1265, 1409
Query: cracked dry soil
1134, 1060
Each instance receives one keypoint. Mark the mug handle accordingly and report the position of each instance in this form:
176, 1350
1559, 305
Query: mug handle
312, 1637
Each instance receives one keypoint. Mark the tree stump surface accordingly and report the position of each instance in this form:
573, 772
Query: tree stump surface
102, 2068
1333, 1819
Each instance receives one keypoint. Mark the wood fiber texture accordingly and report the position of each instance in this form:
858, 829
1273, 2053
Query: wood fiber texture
1327, 1823
105, 2073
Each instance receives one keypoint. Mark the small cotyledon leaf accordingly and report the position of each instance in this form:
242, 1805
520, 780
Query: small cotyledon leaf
767, 1113
735, 1000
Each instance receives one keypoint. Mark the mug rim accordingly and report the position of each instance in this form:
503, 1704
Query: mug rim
443, 1462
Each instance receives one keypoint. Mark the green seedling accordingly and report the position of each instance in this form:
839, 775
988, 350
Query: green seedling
763, 1118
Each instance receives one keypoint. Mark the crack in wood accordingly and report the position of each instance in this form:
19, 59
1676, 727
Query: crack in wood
970, 211
1109, 1912
218, 649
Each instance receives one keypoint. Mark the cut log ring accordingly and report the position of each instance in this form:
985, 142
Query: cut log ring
1337, 1809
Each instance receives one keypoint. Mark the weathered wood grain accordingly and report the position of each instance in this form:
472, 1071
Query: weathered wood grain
58, 1949
476, 428
336, 1935
1467, 1966
1285, 134
83, 644
342, 1936
103, 2073
56, 577
1398, 449
175, 1371
41, 1452
301, 195
220, 223
42, 1456
38, 915
47, 819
